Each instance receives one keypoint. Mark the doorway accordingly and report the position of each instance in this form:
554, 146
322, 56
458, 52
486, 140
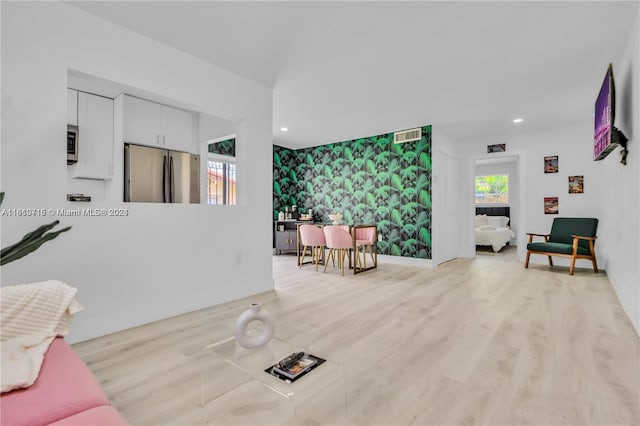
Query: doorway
497, 206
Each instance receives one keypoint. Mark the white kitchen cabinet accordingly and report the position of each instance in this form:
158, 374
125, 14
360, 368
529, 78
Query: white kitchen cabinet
149, 123
95, 141
177, 129
72, 107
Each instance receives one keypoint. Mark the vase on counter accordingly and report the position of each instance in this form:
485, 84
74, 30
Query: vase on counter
254, 313
281, 216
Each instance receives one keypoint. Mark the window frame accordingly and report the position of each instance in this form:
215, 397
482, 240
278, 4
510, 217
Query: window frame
494, 193
224, 159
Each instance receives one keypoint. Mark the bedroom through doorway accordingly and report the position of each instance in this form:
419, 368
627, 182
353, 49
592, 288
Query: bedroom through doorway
497, 206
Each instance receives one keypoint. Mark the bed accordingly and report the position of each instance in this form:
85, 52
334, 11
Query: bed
492, 227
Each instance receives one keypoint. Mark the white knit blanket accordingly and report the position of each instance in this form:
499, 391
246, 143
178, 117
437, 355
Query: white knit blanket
31, 316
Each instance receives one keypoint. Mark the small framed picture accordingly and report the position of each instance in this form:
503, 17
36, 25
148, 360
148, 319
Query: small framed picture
550, 205
501, 147
551, 164
576, 184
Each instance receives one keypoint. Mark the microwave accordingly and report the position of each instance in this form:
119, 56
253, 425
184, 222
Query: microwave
72, 144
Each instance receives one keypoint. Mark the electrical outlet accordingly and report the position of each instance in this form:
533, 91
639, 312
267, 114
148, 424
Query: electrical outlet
379, 237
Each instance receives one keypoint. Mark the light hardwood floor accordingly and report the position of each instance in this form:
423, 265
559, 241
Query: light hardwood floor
476, 341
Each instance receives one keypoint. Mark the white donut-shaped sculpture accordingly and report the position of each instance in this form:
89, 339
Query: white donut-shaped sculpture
254, 313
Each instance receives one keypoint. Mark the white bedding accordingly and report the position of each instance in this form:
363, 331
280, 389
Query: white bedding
488, 235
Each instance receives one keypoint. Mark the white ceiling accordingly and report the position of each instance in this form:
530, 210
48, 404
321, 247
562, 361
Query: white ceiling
342, 70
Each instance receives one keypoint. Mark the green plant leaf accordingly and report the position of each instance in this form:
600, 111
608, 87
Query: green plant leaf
396, 182
409, 210
276, 188
396, 217
371, 200
348, 154
409, 229
425, 199
422, 182
409, 157
32, 245
409, 194
395, 250
384, 226
410, 173
382, 193
424, 161
371, 167
424, 236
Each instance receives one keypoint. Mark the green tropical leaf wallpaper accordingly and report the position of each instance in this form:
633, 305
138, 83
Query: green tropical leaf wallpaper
228, 147
368, 180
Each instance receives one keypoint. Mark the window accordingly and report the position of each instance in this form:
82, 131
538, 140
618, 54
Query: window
492, 189
222, 181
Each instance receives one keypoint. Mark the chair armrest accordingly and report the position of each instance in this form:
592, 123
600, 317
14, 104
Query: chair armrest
580, 237
531, 235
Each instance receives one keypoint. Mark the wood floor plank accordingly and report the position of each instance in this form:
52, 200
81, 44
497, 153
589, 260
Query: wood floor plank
476, 341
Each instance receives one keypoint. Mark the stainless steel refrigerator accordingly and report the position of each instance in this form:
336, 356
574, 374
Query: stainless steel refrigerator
154, 175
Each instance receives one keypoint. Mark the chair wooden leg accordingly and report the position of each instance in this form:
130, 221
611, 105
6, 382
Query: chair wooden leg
573, 265
550, 261
342, 255
593, 253
326, 263
304, 250
526, 261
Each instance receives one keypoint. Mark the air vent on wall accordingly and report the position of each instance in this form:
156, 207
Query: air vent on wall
407, 135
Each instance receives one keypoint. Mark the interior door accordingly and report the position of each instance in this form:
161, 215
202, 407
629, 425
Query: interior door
185, 171
448, 207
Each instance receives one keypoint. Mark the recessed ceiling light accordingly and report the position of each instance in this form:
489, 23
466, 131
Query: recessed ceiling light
284, 129
517, 120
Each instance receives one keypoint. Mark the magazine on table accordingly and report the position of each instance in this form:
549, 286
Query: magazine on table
294, 366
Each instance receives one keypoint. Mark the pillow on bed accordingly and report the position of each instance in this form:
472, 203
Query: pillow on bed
498, 221
481, 219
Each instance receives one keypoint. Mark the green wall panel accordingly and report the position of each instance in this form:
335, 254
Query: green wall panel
368, 180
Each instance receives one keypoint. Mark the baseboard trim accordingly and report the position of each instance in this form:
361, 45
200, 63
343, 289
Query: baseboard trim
400, 260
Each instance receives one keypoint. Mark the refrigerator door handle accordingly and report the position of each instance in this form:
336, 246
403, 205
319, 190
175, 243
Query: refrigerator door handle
172, 181
165, 180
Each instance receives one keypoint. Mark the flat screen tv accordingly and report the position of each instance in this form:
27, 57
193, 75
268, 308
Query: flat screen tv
606, 137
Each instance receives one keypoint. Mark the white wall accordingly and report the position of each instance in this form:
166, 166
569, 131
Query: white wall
611, 190
573, 145
621, 194
160, 260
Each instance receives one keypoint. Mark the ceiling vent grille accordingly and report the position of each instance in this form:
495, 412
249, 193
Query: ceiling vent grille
408, 135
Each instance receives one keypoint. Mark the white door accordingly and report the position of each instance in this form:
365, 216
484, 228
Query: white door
448, 207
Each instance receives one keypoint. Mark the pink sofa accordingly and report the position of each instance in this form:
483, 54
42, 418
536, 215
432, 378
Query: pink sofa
65, 393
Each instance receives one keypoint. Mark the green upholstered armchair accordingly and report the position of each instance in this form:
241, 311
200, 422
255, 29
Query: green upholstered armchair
572, 237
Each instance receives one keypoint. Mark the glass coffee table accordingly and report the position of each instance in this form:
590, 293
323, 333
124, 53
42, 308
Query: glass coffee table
249, 395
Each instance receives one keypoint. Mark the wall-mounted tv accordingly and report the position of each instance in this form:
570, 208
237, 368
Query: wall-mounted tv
606, 137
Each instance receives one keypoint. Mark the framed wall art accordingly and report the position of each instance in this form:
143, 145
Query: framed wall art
551, 164
500, 147
576, 184
550, 205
